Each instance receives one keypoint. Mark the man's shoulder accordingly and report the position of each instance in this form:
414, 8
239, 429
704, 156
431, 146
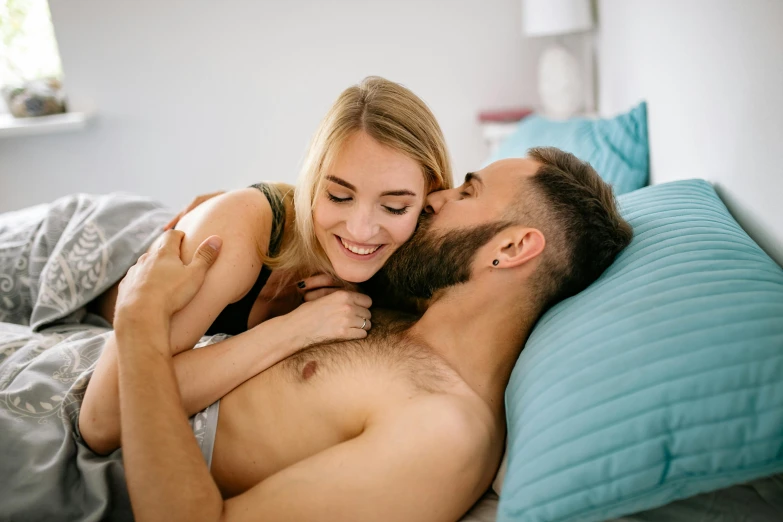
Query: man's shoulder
454, 437
452, 411
457, 426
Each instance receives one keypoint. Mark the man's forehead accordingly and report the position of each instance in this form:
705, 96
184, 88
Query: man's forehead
508, 170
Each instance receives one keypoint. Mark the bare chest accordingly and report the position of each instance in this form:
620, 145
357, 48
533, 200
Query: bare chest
316, 399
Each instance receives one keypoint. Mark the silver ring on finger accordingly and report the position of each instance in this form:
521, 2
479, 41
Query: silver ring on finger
364, 324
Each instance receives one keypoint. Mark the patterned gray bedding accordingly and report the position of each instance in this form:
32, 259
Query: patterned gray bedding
54, 259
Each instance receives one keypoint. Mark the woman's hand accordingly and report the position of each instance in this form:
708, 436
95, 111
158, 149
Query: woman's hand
198, 200
279, 296
341, 315
318, 286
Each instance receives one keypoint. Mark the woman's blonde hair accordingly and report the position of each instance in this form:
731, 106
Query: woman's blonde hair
390, 114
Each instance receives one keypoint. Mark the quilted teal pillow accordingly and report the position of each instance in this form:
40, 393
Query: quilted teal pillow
662, 380
617, 147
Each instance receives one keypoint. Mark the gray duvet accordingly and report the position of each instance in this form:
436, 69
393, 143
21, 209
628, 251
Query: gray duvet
54, 259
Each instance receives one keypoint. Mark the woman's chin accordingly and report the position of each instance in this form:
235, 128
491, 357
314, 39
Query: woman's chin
358, 270
355, 274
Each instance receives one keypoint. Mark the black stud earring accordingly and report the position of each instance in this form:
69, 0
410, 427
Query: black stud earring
495, 262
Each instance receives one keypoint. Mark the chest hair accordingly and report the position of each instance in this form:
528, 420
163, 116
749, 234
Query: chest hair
388, 348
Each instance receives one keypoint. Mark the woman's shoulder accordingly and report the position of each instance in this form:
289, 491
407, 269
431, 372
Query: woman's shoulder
241, 213
245, 206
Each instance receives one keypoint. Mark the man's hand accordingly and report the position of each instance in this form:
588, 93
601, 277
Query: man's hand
160, 284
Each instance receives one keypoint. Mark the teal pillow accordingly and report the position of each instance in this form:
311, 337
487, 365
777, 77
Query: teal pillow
661, 380
617, 147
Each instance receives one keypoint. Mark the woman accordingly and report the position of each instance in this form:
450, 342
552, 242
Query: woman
376, 155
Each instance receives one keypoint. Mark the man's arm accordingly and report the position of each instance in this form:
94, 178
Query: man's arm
165, 471
430, 461
160, 447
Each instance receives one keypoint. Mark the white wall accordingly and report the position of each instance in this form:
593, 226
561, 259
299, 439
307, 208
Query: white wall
712, 74
197, 95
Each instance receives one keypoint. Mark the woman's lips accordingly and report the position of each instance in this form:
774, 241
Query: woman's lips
371, 250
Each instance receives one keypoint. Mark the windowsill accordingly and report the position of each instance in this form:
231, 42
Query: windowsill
69, 121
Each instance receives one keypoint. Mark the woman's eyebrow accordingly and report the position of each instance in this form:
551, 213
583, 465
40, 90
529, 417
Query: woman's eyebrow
398, 193
402, 192
342, 182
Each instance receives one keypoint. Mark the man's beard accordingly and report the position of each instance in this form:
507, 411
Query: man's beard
431, 261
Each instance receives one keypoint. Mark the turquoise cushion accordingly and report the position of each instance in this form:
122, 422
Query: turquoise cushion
617, 147
662, 380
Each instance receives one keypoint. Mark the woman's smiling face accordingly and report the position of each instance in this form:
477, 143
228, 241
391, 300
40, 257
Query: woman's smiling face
369, 206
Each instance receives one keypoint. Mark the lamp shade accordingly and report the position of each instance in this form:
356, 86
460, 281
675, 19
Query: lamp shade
550, 17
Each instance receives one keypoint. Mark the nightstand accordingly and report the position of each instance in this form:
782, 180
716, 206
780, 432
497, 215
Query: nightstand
497, 125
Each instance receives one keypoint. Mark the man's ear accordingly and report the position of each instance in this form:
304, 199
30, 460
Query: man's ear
517, 246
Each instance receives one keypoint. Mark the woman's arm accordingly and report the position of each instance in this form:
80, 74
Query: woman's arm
203, 375
207, 374
243, 219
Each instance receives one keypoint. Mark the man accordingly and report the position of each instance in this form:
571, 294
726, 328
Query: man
407, 424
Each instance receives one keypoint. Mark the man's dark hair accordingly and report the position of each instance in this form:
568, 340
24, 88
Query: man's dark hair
577, 213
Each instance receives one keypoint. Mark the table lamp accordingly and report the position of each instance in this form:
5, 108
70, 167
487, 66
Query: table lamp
564, 88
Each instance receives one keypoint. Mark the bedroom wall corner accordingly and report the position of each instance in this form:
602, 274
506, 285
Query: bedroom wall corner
712, 73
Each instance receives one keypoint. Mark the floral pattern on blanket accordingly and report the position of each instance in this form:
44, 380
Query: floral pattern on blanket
56, 258
17, 234
62, 362
81, 269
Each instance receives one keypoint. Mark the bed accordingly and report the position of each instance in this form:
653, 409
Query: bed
655, 394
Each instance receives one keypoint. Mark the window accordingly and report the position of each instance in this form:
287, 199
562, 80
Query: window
28, 49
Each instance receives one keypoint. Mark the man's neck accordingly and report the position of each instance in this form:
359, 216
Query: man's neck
479, 330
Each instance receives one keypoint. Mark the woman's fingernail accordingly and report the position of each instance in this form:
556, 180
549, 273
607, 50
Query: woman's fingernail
300, 284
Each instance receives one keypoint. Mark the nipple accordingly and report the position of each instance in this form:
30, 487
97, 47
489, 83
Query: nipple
309, 370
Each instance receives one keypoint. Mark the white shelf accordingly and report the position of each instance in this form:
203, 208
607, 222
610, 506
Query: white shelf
69, 121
